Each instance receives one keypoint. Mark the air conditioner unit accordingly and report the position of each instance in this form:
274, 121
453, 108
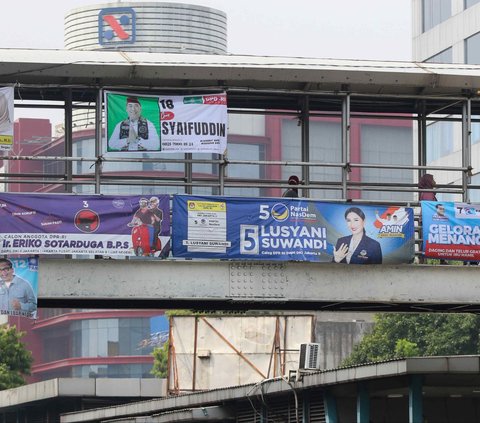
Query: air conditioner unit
309, 357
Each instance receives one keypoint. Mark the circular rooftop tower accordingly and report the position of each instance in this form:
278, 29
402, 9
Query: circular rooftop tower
147, 26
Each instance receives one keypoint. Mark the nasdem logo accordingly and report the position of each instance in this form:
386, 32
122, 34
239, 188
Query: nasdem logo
279, 212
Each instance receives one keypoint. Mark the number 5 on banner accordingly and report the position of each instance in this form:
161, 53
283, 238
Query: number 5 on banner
249, 239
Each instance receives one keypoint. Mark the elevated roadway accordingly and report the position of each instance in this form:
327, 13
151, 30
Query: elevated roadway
233, 285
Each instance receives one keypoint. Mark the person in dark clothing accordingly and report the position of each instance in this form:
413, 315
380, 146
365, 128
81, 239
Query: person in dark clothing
427, 182
293, 191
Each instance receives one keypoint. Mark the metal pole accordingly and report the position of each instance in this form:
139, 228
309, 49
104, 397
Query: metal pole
422, 138
195, 354
98, 140
188, 173
345, 144
305, 120
222, 169
68, 138
466, 148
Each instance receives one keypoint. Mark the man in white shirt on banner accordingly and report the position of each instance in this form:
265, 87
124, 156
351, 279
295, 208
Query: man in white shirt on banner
16, 294
135, 133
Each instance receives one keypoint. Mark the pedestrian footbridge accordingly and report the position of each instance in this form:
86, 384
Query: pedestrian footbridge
236, 285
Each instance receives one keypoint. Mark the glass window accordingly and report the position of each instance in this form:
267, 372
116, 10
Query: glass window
444, 56
245, 152
475, 131
113, 371
472, 50
475, 193
439, 140
291, 146
435, 12
326, 147
110, 337
385, 145
470, 3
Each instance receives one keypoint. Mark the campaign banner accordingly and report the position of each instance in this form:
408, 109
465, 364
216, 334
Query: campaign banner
291, 229
81, 224
6, 118
451, 230
19, 286
167, 124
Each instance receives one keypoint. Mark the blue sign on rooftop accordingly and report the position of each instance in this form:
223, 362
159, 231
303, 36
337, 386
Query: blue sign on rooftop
116, 26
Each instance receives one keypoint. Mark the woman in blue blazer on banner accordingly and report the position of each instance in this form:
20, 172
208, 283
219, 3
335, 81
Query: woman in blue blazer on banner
357, 248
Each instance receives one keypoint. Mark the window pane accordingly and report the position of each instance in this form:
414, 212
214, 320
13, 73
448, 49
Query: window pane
435, 12
470, 3
444, 56
472, 50
382, 144
439, 140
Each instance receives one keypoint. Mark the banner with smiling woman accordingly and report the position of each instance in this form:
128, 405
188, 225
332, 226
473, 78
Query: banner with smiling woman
291, 229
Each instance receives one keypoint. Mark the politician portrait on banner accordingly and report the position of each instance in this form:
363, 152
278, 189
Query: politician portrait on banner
6, 118
167, 124
19, 286
291, 229
132, 123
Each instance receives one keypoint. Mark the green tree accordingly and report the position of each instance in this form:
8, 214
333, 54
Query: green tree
160, 361
15, 359
405, 348
425, 334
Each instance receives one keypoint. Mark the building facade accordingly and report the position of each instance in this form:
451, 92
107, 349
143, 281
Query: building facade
448, 32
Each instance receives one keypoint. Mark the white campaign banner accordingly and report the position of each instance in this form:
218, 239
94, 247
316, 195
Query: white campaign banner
165, 124
6, 118
194, 123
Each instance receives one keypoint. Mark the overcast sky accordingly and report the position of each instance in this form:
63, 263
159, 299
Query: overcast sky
342, 29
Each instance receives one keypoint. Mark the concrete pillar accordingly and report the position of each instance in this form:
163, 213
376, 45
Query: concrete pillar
330, 405
363, 404
415, 399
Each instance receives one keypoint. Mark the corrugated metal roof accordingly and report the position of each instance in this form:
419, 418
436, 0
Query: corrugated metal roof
424, 365
251, 81
141, 70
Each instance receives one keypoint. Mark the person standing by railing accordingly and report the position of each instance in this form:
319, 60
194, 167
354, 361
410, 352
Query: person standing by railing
427, 181
292, 192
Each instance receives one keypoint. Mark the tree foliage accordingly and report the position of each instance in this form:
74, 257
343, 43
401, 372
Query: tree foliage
425, 334
160, 361
15, 359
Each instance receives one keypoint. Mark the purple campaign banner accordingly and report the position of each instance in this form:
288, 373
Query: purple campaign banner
80, 224
291, 229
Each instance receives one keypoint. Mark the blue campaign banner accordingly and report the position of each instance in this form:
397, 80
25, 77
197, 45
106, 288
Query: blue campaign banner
19, 286
451, 230
291, 229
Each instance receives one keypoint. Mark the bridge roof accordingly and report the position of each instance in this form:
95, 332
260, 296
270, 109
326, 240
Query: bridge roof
266, 82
